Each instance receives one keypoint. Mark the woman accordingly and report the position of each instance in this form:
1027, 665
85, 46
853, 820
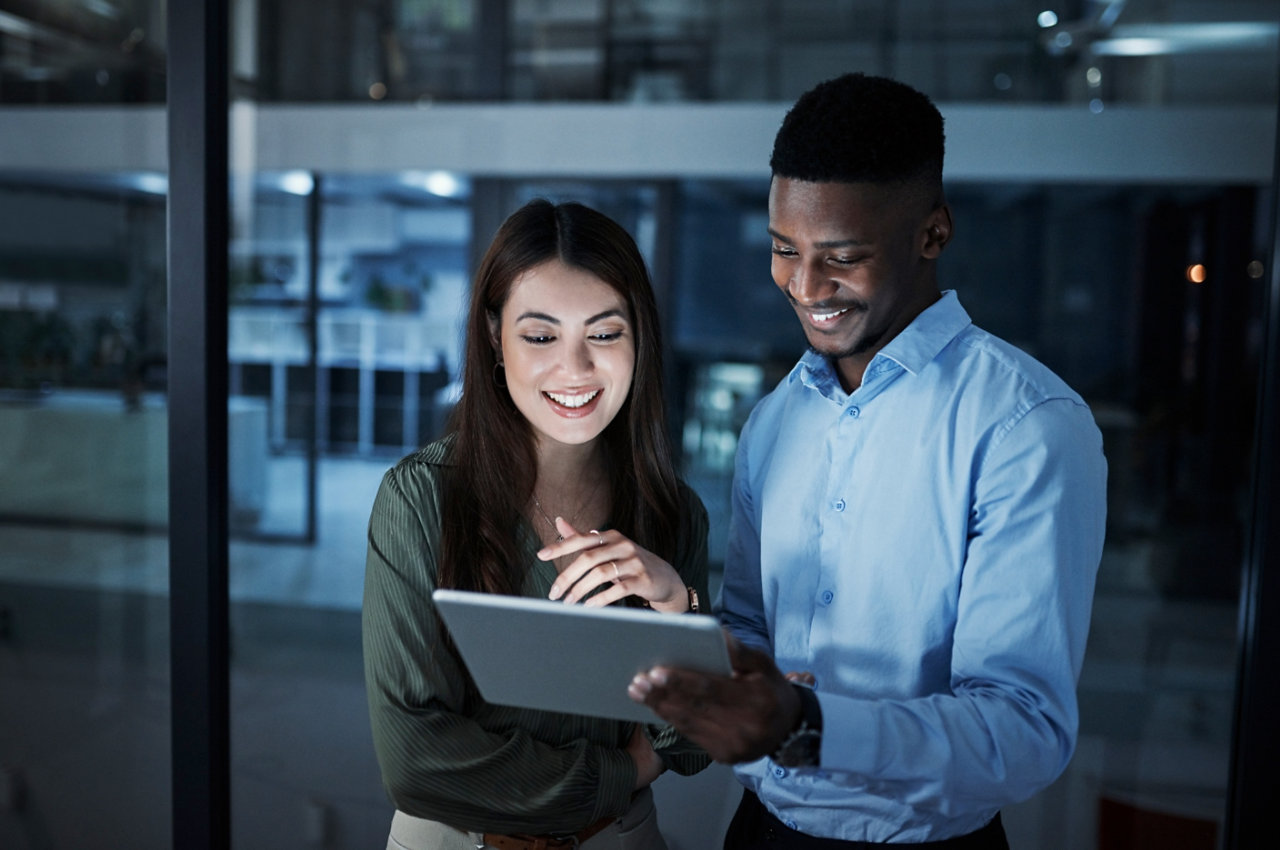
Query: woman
555, 480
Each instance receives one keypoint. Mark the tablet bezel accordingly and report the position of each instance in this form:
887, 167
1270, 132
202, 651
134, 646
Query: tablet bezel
556, 656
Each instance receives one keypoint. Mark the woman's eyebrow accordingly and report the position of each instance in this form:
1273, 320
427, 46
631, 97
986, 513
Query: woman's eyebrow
542, 316
531, 314
605, 315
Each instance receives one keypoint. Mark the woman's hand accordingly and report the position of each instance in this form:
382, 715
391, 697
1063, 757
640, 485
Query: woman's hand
619, 567
648, 765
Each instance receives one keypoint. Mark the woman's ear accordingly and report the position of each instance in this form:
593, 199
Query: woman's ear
495, 333
937, 232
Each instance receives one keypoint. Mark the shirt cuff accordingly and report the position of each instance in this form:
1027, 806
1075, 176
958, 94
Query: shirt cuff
617, 780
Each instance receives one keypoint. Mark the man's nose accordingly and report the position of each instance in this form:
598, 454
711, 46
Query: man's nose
808, 285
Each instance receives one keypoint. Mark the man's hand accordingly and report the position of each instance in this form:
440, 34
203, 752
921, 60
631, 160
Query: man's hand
734, 718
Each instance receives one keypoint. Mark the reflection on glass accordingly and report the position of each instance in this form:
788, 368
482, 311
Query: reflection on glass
1094, 281
83, 509
425, 51
344, 355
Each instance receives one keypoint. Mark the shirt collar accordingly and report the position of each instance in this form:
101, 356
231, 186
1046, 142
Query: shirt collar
912, 349
928, 333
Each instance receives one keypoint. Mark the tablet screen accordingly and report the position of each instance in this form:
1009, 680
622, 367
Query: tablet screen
557, 656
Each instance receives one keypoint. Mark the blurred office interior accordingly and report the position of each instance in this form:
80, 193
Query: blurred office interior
1111, 167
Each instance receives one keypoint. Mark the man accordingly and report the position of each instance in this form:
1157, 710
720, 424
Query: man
918, 515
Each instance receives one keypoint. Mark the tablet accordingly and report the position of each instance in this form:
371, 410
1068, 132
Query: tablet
558, 656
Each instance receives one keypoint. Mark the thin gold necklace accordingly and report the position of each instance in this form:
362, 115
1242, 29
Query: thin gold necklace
551, 522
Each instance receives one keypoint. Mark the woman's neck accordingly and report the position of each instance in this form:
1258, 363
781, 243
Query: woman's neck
571, 483
563, 468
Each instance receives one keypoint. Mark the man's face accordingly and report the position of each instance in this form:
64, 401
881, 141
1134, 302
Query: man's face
854, 260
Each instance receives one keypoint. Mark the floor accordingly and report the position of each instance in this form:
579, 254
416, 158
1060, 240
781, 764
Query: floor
84, 701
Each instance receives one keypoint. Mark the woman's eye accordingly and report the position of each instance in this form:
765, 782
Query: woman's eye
607, 336
537, 339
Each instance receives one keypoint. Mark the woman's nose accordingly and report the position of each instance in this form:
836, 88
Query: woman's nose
578, 359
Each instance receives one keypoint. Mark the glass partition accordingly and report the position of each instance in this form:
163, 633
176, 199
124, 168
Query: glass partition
1097, 52
343, 356
1148, 301
350, 256
84, 652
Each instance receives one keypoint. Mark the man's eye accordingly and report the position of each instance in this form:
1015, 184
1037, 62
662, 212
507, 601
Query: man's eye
783, 252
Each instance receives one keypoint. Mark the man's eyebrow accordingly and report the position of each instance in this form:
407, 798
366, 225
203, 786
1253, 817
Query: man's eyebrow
832, 243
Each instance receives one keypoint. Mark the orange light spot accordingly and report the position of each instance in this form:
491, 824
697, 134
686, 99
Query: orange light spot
1196, 273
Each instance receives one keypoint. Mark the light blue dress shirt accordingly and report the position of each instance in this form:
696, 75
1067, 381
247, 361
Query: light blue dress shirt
927, 547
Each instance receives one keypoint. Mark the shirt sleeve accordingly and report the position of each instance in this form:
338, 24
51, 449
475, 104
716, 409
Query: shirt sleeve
1008, 727
678, 753
437, 762
741, 603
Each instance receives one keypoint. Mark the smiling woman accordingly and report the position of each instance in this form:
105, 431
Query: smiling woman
568, 352
555, 480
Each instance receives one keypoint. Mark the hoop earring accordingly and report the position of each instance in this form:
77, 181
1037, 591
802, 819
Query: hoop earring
503, 382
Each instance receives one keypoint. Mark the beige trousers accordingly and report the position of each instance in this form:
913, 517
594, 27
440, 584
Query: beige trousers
636, 830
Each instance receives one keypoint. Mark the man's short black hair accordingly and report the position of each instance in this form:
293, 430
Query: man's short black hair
860, 129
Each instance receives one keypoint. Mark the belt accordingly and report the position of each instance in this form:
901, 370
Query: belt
544, 842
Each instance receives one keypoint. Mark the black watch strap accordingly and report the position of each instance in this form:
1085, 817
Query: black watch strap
810, 708
803, 745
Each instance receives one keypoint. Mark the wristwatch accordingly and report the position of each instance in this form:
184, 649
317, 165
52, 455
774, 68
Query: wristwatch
803, 745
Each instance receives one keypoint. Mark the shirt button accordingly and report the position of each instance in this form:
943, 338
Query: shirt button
827, 596
853, 411
779, 772
838, 504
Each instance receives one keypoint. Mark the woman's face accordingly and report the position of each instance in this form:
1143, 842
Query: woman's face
568, 351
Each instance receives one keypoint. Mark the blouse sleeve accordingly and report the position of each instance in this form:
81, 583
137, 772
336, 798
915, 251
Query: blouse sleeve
678, 753
437, 762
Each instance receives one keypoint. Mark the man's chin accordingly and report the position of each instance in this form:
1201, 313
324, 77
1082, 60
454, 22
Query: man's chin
839, 349
830, 348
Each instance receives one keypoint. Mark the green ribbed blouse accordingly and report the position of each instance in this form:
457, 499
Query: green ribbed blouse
445, 753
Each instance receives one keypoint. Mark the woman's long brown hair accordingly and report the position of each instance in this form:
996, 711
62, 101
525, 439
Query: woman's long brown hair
493, 464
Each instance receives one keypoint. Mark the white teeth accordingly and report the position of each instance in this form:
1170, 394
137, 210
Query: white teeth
825, 317
573, 400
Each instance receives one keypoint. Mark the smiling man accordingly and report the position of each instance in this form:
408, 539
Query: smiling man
918, 517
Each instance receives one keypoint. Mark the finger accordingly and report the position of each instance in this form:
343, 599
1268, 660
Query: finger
682, 699
610, 594
574, 541
744, 659
566, 530
574, 573
606, 575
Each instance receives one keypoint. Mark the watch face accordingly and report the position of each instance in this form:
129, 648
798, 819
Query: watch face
802, 749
